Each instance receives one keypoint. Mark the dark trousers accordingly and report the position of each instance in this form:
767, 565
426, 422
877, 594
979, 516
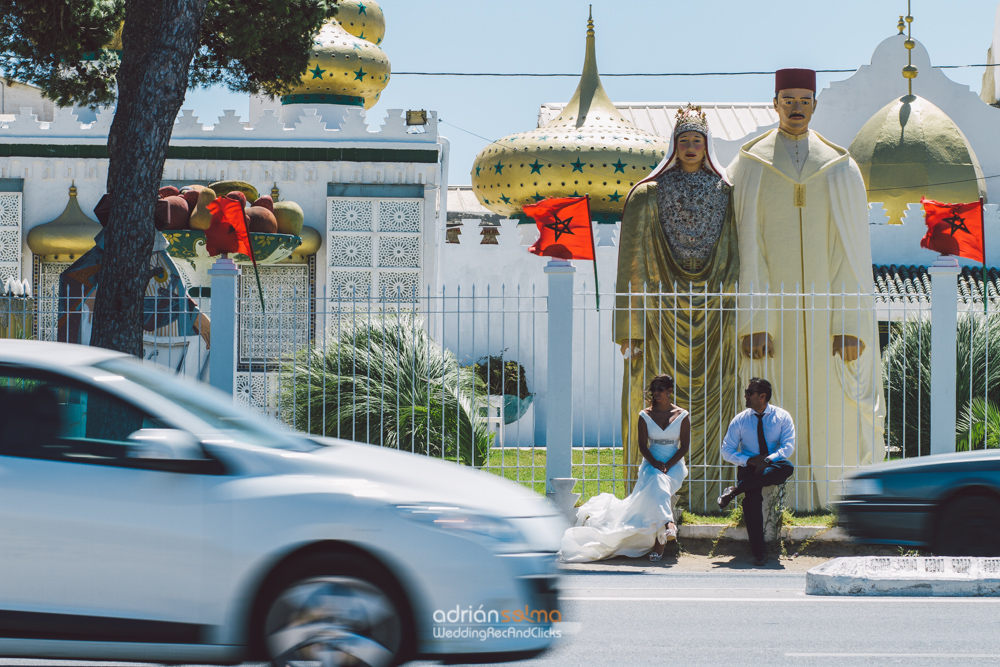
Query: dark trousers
750, 484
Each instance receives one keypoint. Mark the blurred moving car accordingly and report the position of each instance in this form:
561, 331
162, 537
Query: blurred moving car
948, 503
144, 517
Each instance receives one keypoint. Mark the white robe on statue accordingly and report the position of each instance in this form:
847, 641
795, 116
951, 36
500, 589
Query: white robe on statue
803, 233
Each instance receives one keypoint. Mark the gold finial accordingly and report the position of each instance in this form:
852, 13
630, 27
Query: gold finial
72, 188
901, 26
274, 192
909, 72
590, 22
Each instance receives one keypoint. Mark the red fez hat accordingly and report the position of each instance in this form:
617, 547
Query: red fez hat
794, 78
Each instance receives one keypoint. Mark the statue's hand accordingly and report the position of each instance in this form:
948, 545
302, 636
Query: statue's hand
848, 347
632, 349
756, 345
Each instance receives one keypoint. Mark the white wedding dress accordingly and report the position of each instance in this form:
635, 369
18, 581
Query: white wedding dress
607, 526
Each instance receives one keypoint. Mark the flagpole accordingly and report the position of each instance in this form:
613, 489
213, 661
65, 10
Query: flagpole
982, 224
593, 251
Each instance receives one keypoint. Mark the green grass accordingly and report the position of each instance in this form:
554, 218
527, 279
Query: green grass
602, 471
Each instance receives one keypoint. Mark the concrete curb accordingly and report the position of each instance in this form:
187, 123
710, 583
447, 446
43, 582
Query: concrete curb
793, 533
906, 576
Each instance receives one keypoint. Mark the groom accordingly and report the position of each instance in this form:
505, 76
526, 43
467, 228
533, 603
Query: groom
759, 441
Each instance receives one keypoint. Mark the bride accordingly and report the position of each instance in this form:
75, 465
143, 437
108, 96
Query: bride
644, 521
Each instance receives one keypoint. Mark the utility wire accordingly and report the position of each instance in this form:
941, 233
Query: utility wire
650, 74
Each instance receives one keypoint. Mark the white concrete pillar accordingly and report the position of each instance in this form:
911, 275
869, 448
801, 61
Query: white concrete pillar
559, 390
222, 359
944, 319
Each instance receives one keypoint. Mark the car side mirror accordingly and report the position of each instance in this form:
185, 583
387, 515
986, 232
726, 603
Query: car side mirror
164, 444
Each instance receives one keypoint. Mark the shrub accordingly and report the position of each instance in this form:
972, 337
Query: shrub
906, 370
386, 382
502, 376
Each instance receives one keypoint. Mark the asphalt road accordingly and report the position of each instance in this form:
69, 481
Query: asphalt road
761, 618
665, 618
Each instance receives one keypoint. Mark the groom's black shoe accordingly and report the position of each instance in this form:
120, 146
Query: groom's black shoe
726, 497
760, 560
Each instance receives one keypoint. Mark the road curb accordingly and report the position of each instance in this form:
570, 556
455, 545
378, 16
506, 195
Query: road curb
739, 533
906, 576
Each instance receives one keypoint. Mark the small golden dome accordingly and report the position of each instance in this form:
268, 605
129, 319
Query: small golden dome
343, 69
72, 233
590, 148
911, 149
362, 18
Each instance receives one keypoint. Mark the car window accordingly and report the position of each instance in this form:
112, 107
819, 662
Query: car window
209, 405
50, 418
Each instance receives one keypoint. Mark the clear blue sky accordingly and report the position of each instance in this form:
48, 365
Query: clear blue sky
632, 36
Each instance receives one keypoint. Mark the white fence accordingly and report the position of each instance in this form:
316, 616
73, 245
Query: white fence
401, 371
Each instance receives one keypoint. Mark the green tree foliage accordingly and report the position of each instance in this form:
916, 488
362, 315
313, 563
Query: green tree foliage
166, 47
906, 372
386, 382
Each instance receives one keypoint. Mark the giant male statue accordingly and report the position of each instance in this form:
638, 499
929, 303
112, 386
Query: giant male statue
805, 257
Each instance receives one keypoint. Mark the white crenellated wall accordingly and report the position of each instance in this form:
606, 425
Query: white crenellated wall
47, 180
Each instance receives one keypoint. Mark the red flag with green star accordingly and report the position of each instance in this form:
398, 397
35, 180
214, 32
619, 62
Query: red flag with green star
954, 229
564, 229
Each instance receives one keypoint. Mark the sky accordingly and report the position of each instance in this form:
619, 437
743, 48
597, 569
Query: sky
633, 36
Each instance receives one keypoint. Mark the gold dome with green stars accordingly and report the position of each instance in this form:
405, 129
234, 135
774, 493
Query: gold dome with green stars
343, 68
362, 18
590, 148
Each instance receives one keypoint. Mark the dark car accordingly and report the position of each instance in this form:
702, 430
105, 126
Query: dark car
948, 503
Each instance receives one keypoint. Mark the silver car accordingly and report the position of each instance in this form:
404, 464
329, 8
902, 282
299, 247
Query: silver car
145, 518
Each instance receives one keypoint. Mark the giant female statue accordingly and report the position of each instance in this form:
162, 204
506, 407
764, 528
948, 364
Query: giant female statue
678, 263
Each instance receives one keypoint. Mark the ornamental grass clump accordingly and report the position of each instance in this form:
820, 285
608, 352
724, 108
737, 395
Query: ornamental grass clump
906, 372
386, 382
17, 310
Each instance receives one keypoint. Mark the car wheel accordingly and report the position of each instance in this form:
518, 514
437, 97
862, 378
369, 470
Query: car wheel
969, 526
332, 612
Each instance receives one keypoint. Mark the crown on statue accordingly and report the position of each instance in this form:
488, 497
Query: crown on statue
690, 118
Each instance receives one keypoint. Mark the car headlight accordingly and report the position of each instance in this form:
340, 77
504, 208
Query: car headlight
486, 528
863, 486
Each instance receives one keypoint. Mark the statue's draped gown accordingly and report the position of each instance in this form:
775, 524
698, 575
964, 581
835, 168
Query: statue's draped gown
679, 259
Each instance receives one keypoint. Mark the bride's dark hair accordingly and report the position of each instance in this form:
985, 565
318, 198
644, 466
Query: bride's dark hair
661, 379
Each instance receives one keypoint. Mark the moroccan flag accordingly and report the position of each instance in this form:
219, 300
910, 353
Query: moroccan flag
564, 230
954, 229
228, 231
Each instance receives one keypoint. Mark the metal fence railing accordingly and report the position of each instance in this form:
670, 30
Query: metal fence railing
462, 374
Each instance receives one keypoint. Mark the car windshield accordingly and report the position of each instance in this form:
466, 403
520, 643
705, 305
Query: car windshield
209, 405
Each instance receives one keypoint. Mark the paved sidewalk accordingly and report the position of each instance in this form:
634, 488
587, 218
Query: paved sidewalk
709, 555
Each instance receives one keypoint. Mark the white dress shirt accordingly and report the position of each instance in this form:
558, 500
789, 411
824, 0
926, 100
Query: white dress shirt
740, 443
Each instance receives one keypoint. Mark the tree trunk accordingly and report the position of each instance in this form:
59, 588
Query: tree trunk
159, 40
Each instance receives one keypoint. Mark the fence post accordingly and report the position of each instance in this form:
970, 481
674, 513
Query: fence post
559, 392
222, 359
944, 320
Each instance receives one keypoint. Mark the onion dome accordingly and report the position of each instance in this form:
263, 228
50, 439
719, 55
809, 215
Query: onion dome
590, 148
911, 149
362, 18
72, 233
343, 70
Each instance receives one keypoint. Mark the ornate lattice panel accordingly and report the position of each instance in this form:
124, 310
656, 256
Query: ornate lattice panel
399, 251
399, 216
258, 390
351, 215
398, 285
392, 258
10, 235
350, 250
46, 297
281, 332
350, 285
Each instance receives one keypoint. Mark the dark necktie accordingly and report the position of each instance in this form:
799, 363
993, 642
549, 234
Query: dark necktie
761, 442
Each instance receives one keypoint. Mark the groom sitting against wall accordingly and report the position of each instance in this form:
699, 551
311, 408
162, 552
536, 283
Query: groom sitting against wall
759, 441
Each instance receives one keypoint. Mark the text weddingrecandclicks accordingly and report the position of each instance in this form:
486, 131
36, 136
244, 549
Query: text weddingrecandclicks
485, 624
